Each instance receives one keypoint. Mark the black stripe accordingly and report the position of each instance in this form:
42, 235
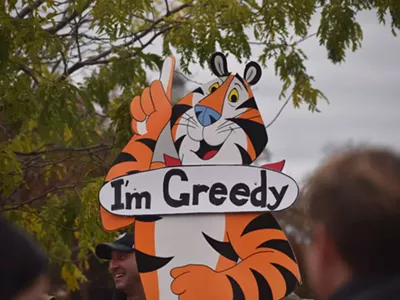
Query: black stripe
148, 263
280, 245
238, 77
199, 90
290, 279
148, 218
149, 143
177, 111
236, 289
124, 157
249, 103
255, 131
264, 289
223, 248
264, 221
178, 142
246, 159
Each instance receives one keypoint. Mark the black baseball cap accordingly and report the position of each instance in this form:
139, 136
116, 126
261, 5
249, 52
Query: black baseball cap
124, 243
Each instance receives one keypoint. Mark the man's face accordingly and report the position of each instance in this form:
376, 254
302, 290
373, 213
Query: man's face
123, 268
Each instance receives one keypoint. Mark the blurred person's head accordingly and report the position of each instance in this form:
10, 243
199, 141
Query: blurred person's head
353, 203
122, 263
23, 266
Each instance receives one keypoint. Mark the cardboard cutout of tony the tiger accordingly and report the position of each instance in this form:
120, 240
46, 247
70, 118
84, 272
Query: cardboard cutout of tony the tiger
203, 227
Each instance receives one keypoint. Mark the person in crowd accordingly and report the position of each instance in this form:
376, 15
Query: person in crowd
23, 266
122, 266
353, 202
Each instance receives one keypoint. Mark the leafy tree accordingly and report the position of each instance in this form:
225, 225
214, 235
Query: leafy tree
69, 68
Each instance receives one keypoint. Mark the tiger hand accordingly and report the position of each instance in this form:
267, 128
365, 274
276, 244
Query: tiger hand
199, 282
152, 110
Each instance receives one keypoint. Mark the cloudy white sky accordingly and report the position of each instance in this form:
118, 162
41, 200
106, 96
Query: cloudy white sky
363, 93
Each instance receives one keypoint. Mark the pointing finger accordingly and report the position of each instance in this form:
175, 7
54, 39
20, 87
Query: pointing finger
167, 75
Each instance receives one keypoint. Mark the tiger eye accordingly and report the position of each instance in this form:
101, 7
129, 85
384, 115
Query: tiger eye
233, 96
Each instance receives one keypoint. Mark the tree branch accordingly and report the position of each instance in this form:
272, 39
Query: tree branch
66, 20
93, 61
29, 72
187, 78
49, 222
49, 163
55, 189
293, 44
280, 111
34, 153
28, 9
167, 7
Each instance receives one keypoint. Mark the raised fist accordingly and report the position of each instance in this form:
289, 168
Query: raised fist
152, 110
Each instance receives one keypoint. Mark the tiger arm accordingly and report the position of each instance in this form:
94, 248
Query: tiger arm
150, 113
135, 157
268, 269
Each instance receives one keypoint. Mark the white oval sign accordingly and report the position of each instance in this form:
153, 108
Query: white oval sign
199, 189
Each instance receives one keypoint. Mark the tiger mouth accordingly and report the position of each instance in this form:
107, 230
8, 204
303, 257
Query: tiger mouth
207, 151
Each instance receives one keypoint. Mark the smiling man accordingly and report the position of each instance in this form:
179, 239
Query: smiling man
122, 266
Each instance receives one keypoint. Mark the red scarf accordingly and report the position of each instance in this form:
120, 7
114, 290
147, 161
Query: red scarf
173, 162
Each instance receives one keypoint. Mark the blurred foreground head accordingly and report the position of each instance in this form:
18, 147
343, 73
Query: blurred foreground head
353, 202
23, 266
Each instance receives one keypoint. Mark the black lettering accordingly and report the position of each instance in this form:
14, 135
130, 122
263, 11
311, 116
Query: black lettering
184, 197
197, 189
262, 190
216, 190
278, 196
117, 184
138, 200
239, 189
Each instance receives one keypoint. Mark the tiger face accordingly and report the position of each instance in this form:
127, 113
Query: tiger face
219, 122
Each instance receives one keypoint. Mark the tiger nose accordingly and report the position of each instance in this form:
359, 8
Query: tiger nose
206, 115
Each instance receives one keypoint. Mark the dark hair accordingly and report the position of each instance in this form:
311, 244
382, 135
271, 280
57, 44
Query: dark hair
356, 195
21, 260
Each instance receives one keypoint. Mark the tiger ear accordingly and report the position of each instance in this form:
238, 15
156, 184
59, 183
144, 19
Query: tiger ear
219, 65
252, 73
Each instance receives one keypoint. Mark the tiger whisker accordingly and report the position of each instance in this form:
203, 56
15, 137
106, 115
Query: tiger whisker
190, 120
189, 116
229, 129
221, 125
186, 125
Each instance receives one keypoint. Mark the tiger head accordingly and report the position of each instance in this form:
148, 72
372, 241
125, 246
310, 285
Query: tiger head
219, 122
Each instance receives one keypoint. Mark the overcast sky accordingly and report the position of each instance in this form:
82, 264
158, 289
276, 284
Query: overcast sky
363, 94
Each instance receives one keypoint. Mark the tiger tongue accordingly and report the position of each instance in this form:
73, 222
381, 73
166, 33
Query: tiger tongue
210, 154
